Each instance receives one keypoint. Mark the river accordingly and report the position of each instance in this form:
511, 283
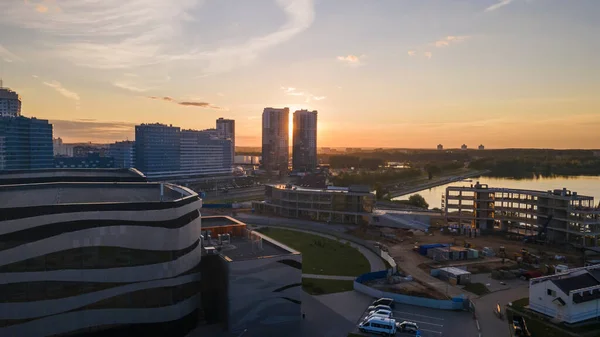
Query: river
584, 185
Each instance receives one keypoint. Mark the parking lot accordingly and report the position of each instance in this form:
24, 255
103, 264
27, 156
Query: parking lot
432, 322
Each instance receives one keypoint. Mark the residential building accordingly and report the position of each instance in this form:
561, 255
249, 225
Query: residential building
275, 140
167, 152
463, 147
61, 149
558, 216
203, 154
226, 130
117, 258
123, 153
157, 149
25, 143
481, 147
83, 150
440, 147
353, 204
570, 297
304, 150
10, 103
92, 160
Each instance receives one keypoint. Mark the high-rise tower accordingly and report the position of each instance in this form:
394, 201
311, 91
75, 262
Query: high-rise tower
275, 139
304, 151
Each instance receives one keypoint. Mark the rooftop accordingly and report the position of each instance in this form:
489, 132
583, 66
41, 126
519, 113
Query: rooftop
251, 245
575, 282
67, 175
31, 195
219, 221
455, 271
554, 194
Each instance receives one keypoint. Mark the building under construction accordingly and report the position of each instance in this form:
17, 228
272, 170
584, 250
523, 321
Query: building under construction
558, 216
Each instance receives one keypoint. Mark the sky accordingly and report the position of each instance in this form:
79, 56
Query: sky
381, 73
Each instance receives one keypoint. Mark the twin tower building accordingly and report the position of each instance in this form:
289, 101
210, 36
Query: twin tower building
275, 140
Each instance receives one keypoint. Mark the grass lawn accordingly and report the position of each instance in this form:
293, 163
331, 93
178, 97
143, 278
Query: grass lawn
477, 288
521, 303
320, 255
319, 287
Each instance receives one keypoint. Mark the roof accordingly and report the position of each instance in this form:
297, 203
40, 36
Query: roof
330, 189
219, 221
569, 284
455, 271
242, 248
77, 193
70, 175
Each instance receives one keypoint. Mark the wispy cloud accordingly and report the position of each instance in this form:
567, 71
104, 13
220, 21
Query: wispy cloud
291, 91
428, 54
500, 4
412, 53
129, 86
220, 94
187, 103
35, 76
62, 90
441, 43
351, 60
445, 42
113, 34
8, 56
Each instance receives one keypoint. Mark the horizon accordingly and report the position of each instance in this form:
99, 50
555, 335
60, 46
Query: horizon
516, 74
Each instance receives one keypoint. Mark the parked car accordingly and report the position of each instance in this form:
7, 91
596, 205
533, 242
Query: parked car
377, 307
407, 326
378, 325
381, 312
385, 301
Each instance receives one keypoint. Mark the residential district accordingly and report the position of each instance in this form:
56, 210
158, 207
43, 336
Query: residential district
173, 234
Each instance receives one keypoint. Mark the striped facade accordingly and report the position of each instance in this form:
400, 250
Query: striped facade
70, 269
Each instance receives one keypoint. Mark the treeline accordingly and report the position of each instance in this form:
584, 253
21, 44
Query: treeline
535, 167
343, 161
374, 178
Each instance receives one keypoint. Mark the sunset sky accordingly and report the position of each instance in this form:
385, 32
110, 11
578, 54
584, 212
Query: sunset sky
381, 73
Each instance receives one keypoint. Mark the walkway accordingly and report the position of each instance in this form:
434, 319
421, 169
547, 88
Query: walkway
329, 277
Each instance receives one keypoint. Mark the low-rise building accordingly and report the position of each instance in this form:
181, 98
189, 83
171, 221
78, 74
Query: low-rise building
572, 296
352, 204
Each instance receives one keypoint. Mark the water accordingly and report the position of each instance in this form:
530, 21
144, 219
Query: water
584, 185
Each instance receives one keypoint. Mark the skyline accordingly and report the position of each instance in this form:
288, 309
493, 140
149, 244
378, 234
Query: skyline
389, 74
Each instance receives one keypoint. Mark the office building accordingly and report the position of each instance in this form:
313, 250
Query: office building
157, 149
25, 143
92, 160
304, 149
226, 130
123, 153
10, 103
61, 149
203, 154
167, 152
275, 140
353, 204
121, 258
572, 296
558, 216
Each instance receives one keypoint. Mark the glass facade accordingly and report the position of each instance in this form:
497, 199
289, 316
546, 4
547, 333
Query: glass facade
25, 143
157, 148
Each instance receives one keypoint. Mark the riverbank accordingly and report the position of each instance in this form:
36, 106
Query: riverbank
435, 182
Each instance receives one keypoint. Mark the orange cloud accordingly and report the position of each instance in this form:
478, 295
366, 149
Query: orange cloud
41, 8
350, 59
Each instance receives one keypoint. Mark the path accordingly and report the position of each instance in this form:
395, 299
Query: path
329, 277
491, 325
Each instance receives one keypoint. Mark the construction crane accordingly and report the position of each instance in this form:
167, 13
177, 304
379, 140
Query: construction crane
541, 234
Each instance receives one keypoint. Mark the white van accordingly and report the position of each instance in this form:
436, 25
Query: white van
379, 325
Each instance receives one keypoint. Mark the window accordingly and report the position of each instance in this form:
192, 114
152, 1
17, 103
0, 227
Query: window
551, 292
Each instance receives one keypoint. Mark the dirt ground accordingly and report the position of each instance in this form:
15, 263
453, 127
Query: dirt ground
414, 288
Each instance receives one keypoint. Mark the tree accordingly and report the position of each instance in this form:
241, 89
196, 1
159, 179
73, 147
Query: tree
418, 201
380, 191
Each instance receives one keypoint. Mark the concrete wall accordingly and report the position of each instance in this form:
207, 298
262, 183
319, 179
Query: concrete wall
264, 291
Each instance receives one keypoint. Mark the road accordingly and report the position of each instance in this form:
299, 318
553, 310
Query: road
409, 188
236, 193
491, 325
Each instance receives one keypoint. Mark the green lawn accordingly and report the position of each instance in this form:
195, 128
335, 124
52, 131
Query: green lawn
320, 255
315, 286
477, 288
521, 303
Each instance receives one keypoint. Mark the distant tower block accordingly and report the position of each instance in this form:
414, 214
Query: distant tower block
481, 147
440, 147
463, 147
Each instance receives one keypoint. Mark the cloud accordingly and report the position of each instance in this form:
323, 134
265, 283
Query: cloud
291, 91
352, 60
428, 54
62, 90
35, 76
91, 130
129, 86
412, 53
41, 8
500, 4
445, 42
187, 103
8, 56
220, 94
117, 34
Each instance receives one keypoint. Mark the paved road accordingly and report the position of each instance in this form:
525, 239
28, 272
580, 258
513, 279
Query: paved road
236, 193
491, 325
329, 277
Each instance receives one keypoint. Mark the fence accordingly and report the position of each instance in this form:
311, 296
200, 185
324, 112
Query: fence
456, 303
